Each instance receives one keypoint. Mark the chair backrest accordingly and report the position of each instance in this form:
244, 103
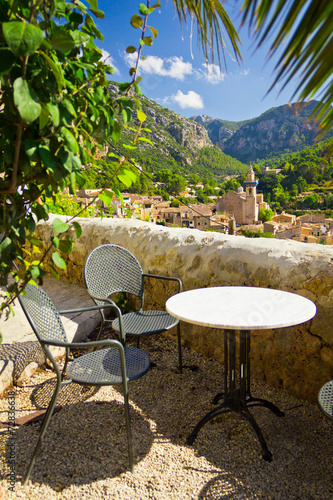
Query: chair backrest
325, 399
42, 315
112, 269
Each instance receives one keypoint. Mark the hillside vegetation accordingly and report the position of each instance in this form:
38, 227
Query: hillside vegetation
309, 172
280, 130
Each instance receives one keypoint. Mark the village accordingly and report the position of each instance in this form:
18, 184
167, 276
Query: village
233, 213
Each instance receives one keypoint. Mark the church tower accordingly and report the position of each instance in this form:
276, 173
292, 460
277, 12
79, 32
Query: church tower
251, 210
251, 184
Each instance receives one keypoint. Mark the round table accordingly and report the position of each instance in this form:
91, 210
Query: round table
240, 309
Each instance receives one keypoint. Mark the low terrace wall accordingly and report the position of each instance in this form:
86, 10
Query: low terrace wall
298, 359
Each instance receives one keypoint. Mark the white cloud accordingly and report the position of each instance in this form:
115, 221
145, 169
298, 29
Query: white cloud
211, 73
245, 72
174, 67
189, 100
107, 58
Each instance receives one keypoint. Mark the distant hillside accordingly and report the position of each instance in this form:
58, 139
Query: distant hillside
278, 131
180, 145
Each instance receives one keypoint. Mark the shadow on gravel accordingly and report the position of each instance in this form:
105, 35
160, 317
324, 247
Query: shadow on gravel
84, 442
301, 441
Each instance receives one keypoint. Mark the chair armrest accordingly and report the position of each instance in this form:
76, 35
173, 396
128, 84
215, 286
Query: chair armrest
179, 281
83, 345
83, 309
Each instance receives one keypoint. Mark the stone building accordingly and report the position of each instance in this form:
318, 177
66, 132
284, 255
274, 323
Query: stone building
244, 206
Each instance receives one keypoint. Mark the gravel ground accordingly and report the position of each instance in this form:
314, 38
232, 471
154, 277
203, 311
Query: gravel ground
84, 454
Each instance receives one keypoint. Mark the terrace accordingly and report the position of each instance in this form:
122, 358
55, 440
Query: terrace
300, 358
289, 366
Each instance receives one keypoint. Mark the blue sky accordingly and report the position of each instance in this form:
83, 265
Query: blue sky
174, 72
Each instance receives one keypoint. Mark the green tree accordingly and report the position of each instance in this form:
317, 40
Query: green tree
56, 111
231, 185
266, 214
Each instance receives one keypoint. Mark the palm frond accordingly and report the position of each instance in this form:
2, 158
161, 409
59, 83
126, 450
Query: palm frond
304, 29
214, 28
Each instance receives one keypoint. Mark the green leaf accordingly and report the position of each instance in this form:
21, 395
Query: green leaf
136, 21
77, 229
144, 139
137, 89
131, 175
54, 112
59, 226
144, 10
46, 156
69, 106
141, 116
106, 196
7, 59
31, 224
4, 244
130, 49
55, 241
128, 146
148, 41
35, 272
69, 139
62, 41
154, 31
26, 101
118, 194
98, 13
116, 132
66, 246
35, 241
127, 178
22, 38
80, 179
56, 70
58, 260
124, 86
44, 118
31, 148
54, 272
80, 38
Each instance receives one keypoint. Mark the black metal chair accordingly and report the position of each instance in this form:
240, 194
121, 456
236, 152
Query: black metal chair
116, 365
111, 269
325, 399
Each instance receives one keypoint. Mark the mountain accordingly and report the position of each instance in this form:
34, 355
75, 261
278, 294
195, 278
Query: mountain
179, 144
279, 130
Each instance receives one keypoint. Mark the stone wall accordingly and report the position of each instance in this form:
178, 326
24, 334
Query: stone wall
298, 359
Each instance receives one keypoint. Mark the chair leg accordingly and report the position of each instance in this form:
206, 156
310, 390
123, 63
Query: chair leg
129, 432
138, 342
101, 329
179, 349
42, 431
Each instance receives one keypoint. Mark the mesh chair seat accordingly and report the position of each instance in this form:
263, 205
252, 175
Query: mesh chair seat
146, 322
325, 399
103, 367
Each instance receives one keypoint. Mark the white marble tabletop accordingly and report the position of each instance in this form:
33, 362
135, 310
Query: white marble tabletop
241, 308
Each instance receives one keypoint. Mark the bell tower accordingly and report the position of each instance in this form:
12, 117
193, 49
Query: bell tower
251, 184
251, 209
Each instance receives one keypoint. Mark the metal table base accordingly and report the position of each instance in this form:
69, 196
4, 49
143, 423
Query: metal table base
237, 395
